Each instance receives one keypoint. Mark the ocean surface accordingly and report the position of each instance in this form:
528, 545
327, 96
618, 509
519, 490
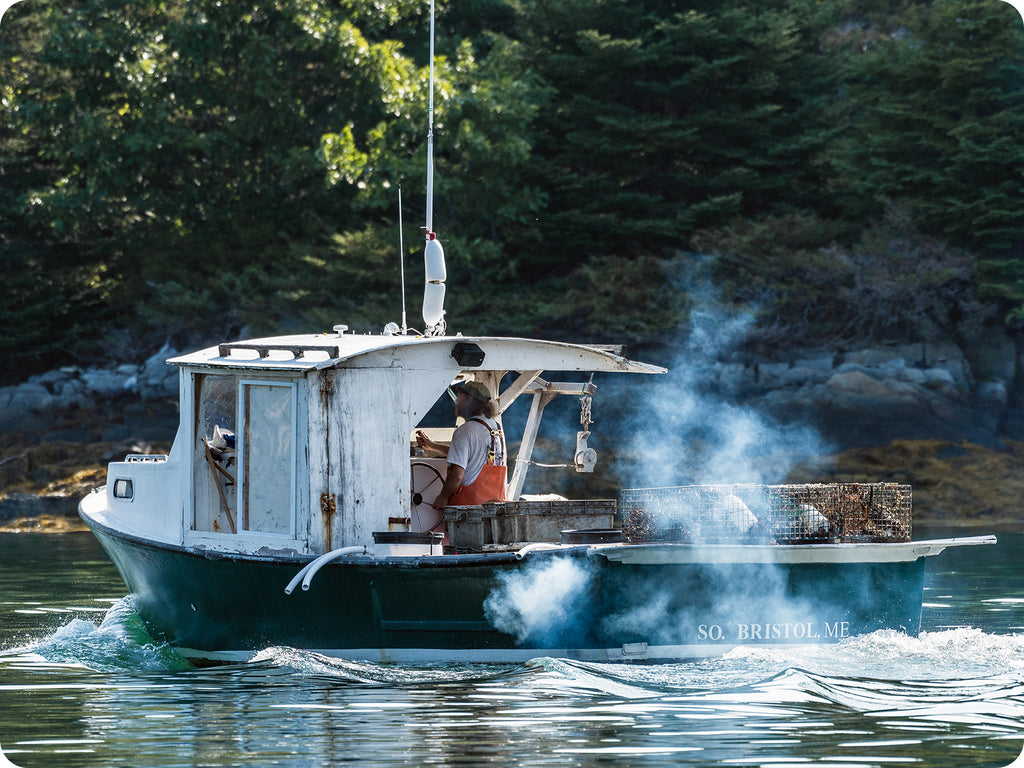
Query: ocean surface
81, 684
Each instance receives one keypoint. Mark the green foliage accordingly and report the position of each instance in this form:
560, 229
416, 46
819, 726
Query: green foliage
936, 114
188, 136
205, 168
483, 113
50, 296
668, 117
894, 283
936, 120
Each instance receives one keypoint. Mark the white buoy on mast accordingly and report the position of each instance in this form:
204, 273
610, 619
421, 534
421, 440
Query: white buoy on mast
434, 269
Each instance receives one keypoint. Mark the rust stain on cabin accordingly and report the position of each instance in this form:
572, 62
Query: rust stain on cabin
328, 506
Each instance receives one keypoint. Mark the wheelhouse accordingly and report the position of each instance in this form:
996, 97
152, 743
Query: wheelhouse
302, 445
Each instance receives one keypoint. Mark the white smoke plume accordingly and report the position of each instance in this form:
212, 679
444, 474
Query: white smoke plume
690, 426
538, 604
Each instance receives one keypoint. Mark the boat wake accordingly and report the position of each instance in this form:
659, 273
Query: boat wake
118, 643
315, 665
878, 671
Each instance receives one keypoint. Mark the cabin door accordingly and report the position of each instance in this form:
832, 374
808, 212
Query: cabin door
267, 457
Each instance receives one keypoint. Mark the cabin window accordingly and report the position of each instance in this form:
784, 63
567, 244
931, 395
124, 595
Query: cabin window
267, 457
215, 454
123, 489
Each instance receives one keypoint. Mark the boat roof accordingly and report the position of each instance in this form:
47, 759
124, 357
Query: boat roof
308, 352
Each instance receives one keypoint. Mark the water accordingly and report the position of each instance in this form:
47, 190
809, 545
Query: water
81, 684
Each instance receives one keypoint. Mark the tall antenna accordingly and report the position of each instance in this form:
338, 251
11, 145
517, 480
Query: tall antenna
433, 254
401, 259
430, 134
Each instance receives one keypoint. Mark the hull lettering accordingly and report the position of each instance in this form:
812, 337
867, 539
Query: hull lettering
773, 631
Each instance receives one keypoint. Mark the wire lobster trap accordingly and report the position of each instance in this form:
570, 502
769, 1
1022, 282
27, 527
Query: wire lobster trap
784, 514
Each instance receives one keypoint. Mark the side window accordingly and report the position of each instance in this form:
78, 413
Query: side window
215, 455
268, 457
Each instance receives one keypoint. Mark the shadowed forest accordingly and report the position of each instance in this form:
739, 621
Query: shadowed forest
188, 171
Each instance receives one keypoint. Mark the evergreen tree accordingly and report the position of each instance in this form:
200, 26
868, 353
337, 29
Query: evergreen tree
936, 109
669, 116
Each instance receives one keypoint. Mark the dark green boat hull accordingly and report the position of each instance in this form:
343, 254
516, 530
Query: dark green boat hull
227, 607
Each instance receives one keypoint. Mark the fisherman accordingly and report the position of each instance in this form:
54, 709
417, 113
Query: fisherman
476, 457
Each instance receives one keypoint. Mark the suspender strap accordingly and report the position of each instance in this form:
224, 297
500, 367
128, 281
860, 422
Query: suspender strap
495, 435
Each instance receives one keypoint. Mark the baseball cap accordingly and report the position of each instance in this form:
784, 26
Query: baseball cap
474, 389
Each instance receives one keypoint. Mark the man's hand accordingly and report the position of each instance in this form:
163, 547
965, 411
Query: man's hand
427, 444
452, 483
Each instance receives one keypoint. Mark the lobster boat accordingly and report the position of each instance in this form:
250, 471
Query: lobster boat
295, 509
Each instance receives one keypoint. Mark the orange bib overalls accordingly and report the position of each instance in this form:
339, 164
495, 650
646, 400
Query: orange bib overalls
490, 483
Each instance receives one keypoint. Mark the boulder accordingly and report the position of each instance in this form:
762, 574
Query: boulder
934, 377
100, 382
821, 364
911, 375
870, 358
861, 383
993, 393
800, 376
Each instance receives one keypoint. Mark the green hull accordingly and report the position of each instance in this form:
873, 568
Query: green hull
569, 602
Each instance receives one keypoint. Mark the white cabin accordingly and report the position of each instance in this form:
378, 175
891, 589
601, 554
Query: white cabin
301, 444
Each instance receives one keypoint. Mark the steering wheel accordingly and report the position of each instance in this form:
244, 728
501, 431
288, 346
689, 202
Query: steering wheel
426, 485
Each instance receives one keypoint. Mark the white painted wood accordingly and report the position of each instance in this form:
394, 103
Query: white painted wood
515, 485
500, 354
372, 413
357, 399
672, 554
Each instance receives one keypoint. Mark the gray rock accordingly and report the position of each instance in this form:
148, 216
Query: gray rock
860, 383
821, 364
27, 395
46, 405
911, 375
872, 357
938, 376
958, 369
799, 376
156, 367
844, 367
993, 393
103, 382
70, 390
49, 377
771, 370
893, 367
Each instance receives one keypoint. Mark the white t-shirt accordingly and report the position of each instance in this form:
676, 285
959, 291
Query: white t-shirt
470, 445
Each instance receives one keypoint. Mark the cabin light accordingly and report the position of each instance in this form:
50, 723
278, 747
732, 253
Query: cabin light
468, 355
123, 489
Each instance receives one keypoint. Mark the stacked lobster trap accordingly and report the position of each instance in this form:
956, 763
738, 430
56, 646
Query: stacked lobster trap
784, 514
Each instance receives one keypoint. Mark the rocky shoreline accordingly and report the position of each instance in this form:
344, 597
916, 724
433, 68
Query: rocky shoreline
58, 431
872, 396
920, 413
